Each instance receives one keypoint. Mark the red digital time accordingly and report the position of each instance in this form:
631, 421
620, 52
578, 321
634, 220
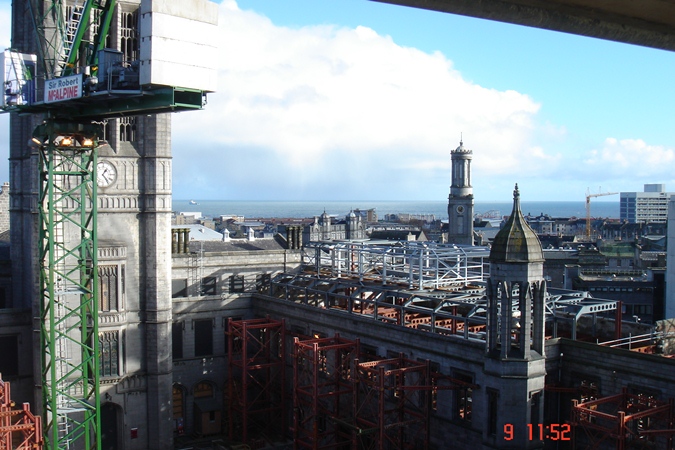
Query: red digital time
552, 432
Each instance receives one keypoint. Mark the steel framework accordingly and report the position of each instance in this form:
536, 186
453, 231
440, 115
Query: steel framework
19, 429
458, 311
392, 404
341, 401
417, 265
256, 380
68, 283
628, 421
323, 392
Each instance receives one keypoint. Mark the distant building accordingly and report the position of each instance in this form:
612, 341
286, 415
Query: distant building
670, 262
325, 229
460, 200
648, 206
4, 207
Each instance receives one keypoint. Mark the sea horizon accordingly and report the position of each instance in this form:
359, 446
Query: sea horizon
308, 209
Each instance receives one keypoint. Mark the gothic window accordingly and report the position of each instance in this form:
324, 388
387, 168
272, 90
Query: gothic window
203, 329
128, 36
464, 397
178, 396
177, 340
109, 285
108, 130
236, 283
108, 342
127, 127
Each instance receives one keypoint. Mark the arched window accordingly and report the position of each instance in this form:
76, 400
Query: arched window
178, 397
204, 389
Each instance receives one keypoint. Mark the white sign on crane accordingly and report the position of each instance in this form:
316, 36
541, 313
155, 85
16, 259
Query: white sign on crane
64, 88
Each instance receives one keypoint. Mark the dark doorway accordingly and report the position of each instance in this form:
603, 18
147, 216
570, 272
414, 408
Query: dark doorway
109, 431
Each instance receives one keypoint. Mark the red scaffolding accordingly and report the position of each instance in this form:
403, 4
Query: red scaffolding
323, 392
392, 404
256, 387
19, 429
626, 421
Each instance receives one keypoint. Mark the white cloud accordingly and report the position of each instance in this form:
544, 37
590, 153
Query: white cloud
309, 96
622, 158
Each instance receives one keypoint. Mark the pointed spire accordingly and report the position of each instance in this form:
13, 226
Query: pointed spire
516, 241
516, 199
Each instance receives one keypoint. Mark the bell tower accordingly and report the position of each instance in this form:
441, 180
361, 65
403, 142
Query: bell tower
460, 200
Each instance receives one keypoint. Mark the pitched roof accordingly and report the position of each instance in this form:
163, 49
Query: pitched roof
516, 241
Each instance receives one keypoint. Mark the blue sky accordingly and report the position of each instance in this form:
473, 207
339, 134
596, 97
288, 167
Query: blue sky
357, 100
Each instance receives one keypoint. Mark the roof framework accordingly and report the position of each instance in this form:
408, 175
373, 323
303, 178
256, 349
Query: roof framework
460, 312
416, 265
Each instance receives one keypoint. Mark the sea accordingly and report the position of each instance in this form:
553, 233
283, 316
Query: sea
268, 209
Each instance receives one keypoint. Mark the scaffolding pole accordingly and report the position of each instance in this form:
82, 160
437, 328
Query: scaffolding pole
256, 381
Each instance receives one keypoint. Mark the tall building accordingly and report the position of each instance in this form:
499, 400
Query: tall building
650, 206
460, 200
134, 245
670, 262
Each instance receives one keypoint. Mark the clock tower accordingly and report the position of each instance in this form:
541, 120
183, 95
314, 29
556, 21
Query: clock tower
460, 200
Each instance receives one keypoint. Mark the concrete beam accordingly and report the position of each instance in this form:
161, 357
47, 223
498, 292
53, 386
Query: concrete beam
649, 23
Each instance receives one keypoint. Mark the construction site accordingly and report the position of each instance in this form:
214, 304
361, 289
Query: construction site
115, 337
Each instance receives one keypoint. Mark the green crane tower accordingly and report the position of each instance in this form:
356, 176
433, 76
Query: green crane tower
75, 83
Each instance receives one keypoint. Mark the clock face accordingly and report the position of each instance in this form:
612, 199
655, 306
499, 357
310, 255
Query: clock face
106, 174
460, 209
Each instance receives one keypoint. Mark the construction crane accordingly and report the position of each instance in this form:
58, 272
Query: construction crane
589, 196
76, 83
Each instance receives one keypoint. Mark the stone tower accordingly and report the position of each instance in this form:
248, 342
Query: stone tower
134, 240
460, 200
515, 360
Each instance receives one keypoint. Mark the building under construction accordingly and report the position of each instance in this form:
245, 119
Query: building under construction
417, 345
339, 345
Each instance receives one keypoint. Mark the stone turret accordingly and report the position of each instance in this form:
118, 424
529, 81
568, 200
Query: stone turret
514, 366
516, 290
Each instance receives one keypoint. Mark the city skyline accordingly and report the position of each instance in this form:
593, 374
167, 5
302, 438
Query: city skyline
360, 100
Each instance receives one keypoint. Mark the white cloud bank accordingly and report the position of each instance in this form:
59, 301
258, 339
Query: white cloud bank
325, 107
335, 113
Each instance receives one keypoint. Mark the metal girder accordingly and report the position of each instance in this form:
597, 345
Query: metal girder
69, 283
114, 104
426, 265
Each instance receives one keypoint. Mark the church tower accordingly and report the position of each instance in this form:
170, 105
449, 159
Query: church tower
460, 201
515, 363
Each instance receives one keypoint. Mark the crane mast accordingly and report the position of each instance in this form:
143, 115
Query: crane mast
589, 196
76, 83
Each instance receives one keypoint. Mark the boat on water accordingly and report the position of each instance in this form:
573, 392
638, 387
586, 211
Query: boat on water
192, 202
